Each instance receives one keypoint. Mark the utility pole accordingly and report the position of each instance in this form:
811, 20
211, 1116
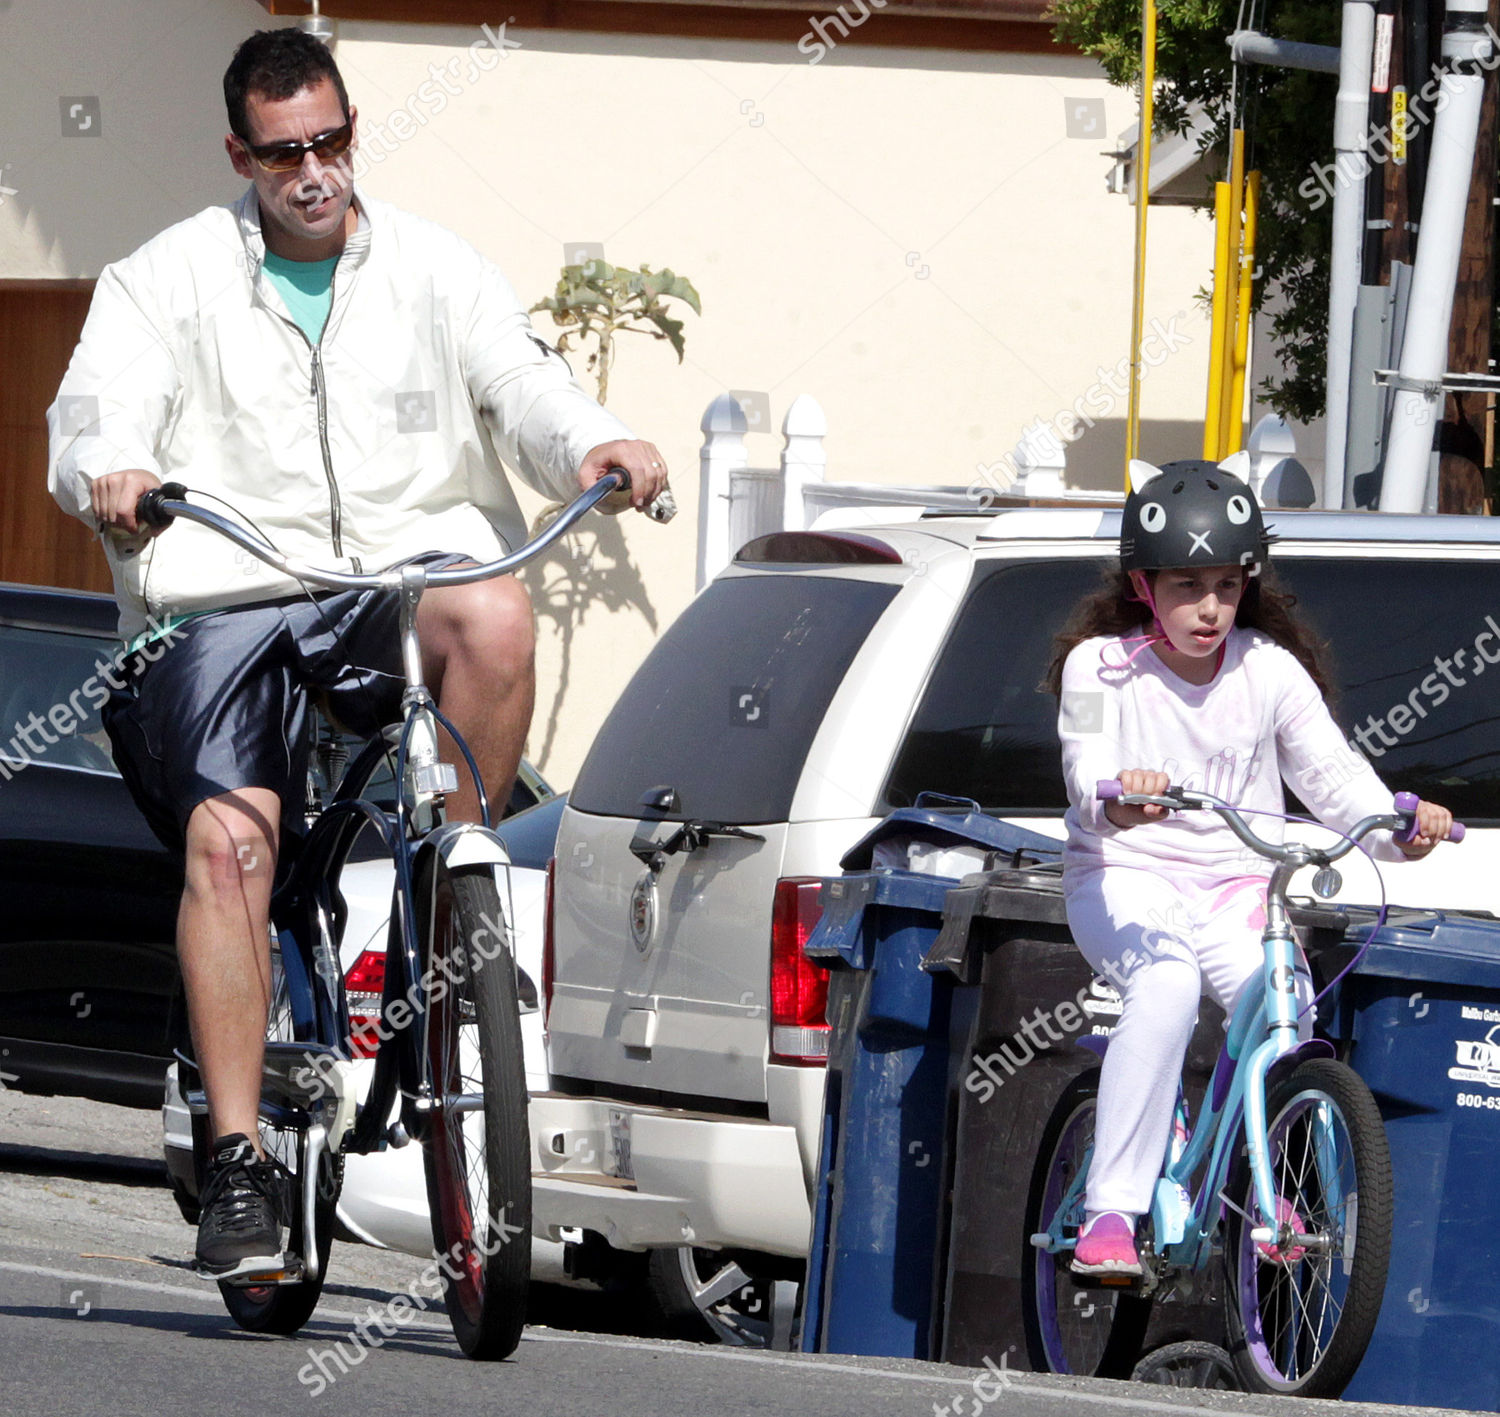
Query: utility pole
1461, 436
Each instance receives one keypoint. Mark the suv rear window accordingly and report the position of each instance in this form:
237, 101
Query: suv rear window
983, 731
727, 704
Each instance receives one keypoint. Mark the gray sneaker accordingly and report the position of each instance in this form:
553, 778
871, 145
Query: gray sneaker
242, 1209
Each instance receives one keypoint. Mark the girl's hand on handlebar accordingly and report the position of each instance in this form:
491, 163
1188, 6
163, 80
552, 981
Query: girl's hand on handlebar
644, 463
1433, 825
113, 499
1141, 781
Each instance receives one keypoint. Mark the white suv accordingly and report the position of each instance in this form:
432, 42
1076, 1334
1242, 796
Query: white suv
822, 680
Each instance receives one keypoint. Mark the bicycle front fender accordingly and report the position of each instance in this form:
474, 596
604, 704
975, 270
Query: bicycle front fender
461, 844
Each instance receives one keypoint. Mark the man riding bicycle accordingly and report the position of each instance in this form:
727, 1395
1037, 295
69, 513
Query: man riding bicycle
348, 378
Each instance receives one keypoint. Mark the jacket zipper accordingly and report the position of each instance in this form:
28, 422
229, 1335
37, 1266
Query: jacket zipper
320, 397
320, 393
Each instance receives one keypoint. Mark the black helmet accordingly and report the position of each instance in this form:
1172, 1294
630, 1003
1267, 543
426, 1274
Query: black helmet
1191, 513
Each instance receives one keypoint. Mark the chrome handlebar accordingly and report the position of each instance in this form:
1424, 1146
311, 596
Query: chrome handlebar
162, 505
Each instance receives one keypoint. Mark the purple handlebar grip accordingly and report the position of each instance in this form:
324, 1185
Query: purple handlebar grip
1107, 789
1408, 802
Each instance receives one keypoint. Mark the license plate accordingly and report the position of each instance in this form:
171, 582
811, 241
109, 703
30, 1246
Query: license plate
619, 1146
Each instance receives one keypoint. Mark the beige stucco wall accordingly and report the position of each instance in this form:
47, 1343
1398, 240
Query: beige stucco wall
910, 236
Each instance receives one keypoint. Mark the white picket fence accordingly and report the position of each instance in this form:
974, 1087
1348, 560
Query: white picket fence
738, 503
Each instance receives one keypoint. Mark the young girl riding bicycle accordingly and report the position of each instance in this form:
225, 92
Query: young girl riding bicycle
1186, 668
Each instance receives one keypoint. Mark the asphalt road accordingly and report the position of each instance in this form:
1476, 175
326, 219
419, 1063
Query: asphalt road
99, 1315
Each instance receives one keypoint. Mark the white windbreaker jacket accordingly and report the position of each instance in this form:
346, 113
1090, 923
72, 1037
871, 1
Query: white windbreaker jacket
382, 442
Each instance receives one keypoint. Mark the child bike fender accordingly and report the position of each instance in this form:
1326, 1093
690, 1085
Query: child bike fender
1308, 1048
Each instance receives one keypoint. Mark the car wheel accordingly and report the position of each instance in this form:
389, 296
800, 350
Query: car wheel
708, 1295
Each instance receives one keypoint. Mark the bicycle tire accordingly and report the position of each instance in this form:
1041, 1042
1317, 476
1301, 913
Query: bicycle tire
1277, 1344
477, 1163
1071, 1330
283, 1308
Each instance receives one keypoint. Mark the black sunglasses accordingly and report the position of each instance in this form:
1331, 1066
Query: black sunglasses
285, 157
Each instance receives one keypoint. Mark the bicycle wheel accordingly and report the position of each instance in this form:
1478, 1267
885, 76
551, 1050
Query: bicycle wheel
1092, 1332
477, 1149
284, 1308
1301, 1318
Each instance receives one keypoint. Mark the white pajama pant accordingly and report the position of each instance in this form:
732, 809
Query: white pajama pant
1163, 938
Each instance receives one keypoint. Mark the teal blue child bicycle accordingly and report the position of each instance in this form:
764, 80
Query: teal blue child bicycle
1293, 1178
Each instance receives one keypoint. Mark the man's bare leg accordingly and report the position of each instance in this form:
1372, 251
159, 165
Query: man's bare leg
479, 657
223, 946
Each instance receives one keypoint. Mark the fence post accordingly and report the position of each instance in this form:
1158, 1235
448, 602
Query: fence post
723, 452
804, 458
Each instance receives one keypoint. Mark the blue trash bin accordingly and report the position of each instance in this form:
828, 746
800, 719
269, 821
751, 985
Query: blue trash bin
876, 1253
1421, 1012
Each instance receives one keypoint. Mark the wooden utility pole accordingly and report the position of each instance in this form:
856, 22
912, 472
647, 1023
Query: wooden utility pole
1462, 436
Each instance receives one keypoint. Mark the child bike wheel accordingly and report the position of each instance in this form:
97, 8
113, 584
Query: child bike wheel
1300, 1320
477, 1153
1091, 1332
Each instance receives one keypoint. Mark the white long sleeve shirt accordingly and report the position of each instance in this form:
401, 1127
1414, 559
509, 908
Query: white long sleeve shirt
384, 440
1258, 721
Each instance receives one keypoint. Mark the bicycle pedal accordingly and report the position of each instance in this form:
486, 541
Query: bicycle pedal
1118, 1282
289, 1271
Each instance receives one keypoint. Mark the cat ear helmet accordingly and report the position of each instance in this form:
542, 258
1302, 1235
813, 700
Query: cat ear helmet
1192, 513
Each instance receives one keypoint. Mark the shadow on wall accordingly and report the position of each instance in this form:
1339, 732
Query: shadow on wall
589, 568
1096, 462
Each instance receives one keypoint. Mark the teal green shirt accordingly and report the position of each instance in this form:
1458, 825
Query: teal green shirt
307, 289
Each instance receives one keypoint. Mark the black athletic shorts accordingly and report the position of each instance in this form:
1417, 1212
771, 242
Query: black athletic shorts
225, 703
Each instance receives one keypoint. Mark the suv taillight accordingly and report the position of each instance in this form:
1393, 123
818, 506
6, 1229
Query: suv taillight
799, 988
548, 961
364, 983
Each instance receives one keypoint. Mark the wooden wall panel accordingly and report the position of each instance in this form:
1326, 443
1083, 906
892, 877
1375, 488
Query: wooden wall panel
39, 544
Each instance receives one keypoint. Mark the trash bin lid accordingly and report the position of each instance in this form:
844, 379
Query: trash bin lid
1438, 946
950, 821
839, 937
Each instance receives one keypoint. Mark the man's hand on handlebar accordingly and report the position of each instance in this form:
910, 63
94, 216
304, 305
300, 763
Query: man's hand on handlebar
1143, 782
114, 497
1434, 824
644, 463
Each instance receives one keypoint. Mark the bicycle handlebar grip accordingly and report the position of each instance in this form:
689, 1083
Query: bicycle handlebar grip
1108, 789
624, 477
1408, 802
149, 510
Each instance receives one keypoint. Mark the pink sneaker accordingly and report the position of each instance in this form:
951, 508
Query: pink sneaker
1107, 1246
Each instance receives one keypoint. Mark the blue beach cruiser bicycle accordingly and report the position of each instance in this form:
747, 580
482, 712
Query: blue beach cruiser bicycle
1286, 1175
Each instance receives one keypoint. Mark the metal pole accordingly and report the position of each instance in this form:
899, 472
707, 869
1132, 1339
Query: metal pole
1251, 47
1142, 198
1244, 318
1417, 397
1350, 137
1213, 417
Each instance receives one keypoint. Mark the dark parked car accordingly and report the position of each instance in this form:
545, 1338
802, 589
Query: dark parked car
90, 996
